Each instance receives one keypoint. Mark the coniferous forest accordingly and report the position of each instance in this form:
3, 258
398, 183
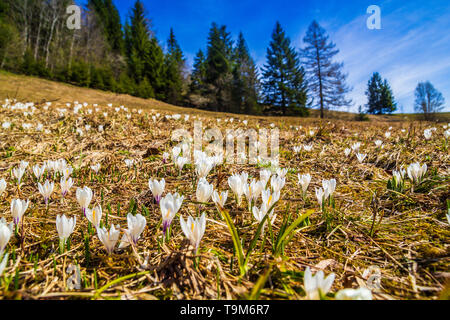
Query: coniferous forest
128, 58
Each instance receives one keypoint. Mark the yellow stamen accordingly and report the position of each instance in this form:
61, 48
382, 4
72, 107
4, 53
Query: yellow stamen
168, 213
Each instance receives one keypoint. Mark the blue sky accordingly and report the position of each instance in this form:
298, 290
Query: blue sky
413, 44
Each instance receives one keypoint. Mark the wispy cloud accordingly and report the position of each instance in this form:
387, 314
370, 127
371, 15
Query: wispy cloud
412, 46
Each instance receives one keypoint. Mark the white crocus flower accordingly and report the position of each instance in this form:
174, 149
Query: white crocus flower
354, 294
84, 197
244, 178
361, 157
65, 184
320, 196
304, 181
129, 163
427, 133
157, 188
277, 183
220, 199
180, 162
447, 134
23, 164
6, 231
387, 134
65, 227
96, 167
317, 285
136, 225
259, 215
194, 229
399, 176
307, 147
356, 146
18, 173
46, 190
66, 171
109, 238
203, 167
416, 172
95, 215
347, 152
252, 191
282, 172
169, 206
3, 263
18, 208
297, 149
329, 186
236, 185
269, 198
264, 176
204, 191
2, 186
378, 143
175, 153
165, 157
38, 171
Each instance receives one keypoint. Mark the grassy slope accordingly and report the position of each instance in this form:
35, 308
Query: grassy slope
25, 88
411, 235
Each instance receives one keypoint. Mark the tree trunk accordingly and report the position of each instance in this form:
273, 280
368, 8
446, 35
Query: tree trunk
36, 45
319, 75
47, 49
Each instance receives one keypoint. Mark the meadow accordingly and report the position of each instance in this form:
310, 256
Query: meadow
96, 201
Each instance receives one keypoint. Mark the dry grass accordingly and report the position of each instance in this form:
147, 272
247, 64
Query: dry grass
408, 241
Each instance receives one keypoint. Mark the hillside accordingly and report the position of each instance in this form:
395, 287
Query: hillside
25, 88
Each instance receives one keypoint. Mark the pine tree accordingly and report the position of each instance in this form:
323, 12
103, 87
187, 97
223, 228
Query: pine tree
326, 82
379, 95
246, 84
174, 67
284, 86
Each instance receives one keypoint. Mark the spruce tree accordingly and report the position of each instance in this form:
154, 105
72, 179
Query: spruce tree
219, 68
246, 85
145, 56
137, 42
174, 68
110, 19
154, 68
379, 95
284, 85
326, 81
198, 76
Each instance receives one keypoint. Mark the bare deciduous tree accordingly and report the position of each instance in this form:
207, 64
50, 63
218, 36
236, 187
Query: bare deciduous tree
428, 100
